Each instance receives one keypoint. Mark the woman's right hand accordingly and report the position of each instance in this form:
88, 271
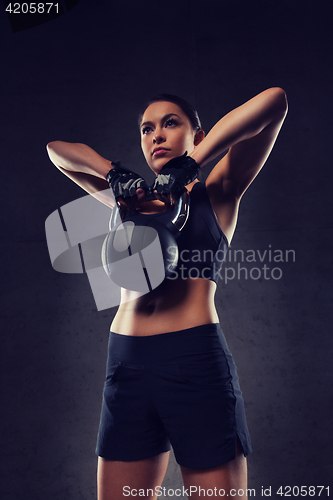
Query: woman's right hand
128, 188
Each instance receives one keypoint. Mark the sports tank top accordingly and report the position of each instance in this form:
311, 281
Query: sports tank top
202, 244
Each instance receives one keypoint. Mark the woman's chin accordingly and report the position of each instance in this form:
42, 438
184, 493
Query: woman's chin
156, 167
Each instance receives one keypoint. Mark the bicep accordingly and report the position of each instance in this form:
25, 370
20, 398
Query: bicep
244, 160
232, 175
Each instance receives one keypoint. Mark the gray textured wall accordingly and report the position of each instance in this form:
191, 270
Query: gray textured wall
83, 78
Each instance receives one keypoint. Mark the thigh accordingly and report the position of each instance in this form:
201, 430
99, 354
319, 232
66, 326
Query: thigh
116, 479
197, 405
226, 480
130, 428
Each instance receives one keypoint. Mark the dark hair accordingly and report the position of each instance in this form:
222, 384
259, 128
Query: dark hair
186, 107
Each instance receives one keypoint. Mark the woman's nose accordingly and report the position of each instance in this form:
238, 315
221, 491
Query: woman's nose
158, 136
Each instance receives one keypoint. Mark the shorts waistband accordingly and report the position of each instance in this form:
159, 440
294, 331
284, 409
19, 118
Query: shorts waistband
151, 349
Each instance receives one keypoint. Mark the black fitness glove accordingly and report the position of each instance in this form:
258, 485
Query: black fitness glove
123, 182
175, 175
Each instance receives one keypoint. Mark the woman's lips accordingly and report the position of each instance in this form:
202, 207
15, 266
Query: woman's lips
160, 151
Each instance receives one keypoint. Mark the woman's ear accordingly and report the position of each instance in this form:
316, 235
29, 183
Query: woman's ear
199, 135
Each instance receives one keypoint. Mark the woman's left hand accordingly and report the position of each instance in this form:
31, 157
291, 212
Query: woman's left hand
173, 177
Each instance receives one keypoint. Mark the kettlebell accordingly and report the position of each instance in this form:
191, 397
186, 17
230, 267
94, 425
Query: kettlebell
140, 252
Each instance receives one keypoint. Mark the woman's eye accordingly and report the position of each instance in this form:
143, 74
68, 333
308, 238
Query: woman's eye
170, 122
146, 130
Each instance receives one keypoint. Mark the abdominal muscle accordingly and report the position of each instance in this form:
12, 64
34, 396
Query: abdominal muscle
174, 305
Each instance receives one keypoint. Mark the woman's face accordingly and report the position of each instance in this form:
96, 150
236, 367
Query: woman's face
166, 132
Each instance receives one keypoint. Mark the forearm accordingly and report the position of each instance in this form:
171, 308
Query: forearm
75, 157
93, 185
241, 124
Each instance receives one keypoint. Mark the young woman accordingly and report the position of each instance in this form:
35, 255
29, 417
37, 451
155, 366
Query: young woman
170, 375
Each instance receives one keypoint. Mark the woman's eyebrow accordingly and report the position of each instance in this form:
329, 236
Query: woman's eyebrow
144, 124
163, 120
169, 115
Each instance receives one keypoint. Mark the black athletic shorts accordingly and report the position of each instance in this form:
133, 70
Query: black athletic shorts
180, 388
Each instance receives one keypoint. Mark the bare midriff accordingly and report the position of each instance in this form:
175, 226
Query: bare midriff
174, 305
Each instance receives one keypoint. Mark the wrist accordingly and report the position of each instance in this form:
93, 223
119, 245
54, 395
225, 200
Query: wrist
197, 156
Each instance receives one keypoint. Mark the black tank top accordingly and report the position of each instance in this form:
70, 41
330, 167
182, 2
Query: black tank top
202, 244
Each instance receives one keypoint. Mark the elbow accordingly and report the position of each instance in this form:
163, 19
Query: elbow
51, 146
51, 149
280, 101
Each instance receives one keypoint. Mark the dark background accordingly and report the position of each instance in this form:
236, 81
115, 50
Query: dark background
83, 78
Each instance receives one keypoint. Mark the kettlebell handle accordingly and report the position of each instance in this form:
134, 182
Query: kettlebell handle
178, 218
181, 211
